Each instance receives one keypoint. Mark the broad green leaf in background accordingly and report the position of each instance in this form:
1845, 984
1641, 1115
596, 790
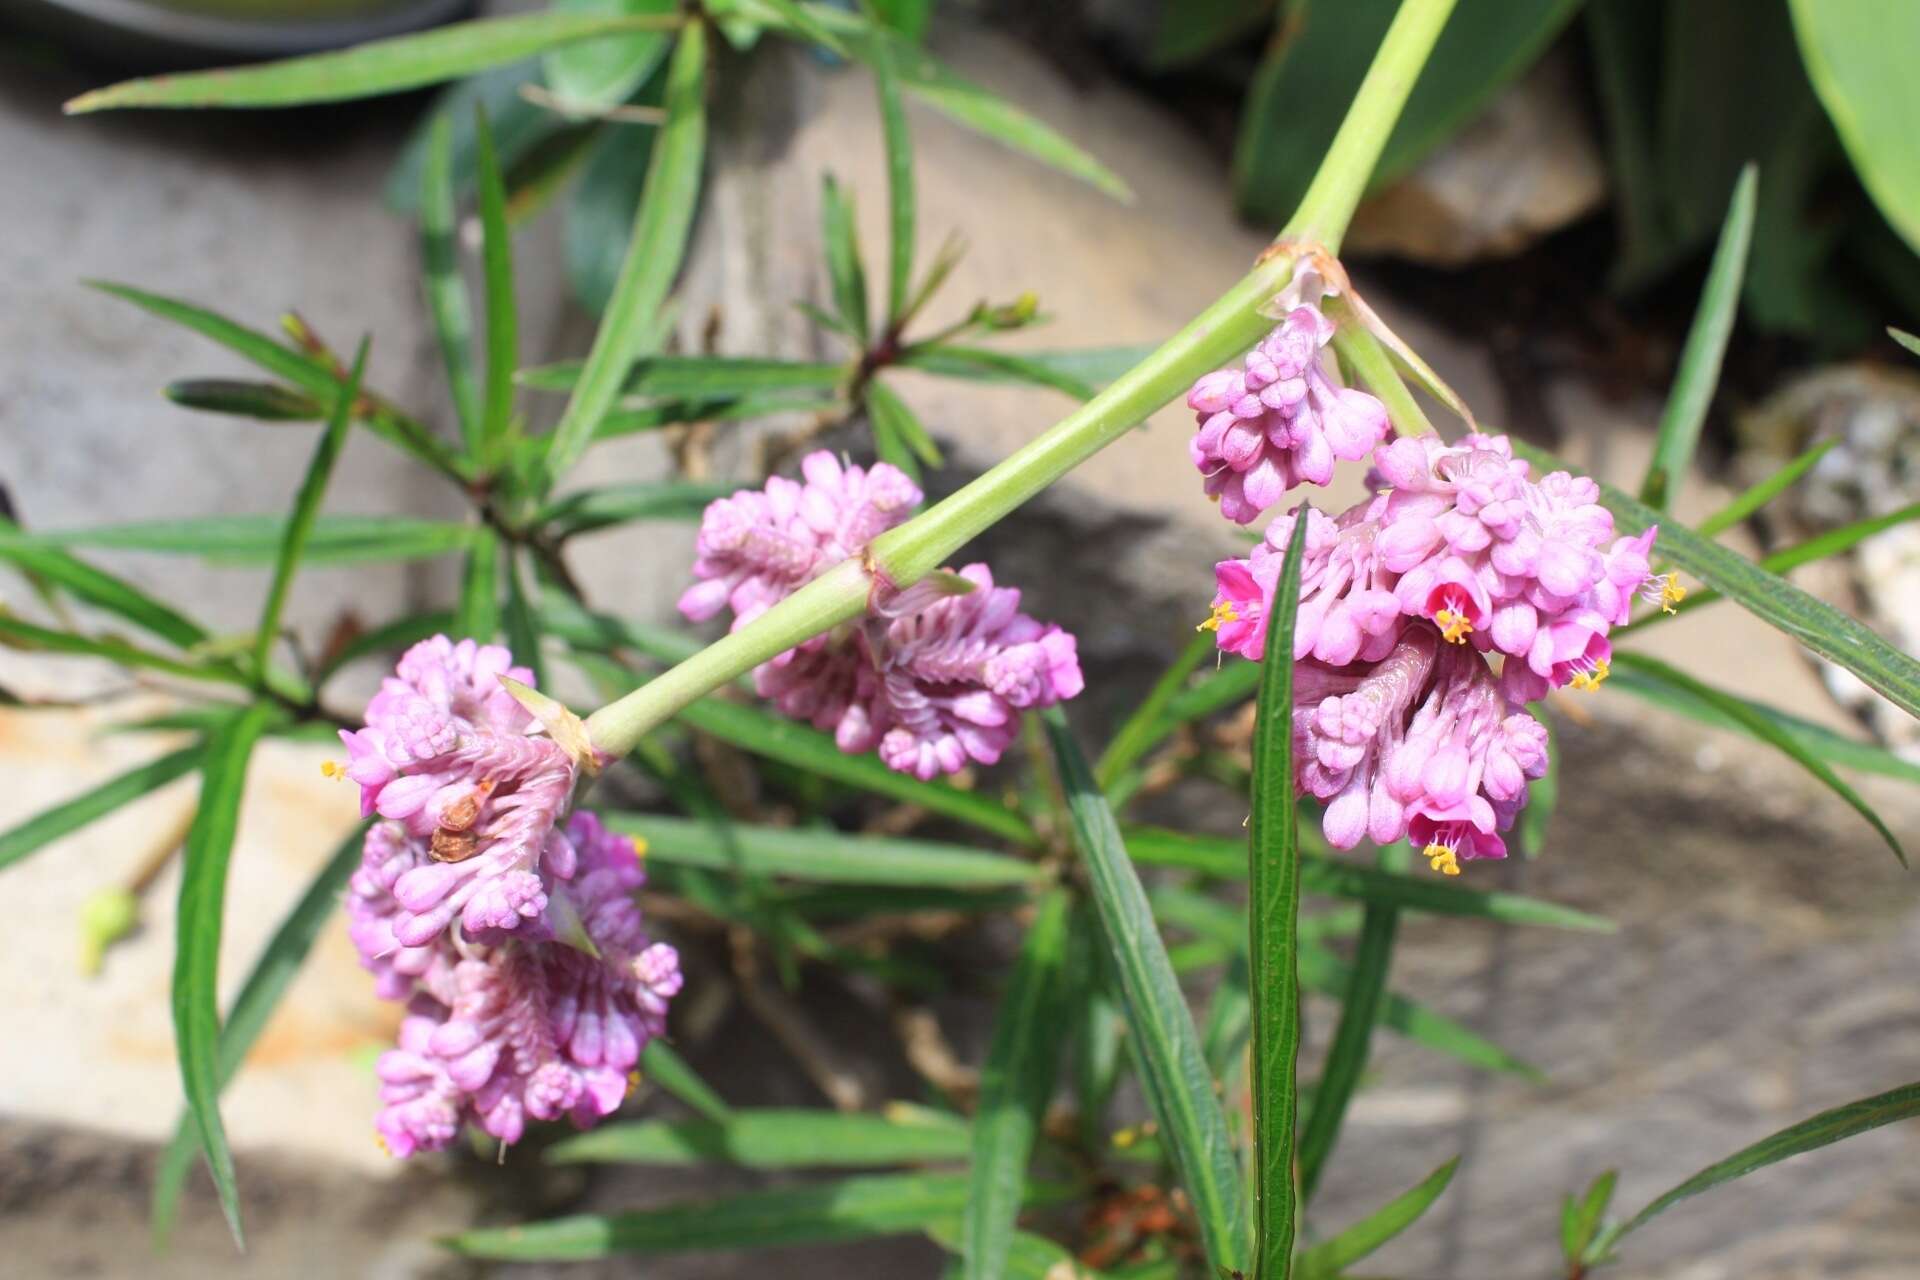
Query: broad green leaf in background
1859, 55
823, 856
196, 955
367, 70
667, 1069
503, 322
1699, 369
1273, 910
660, 231
252, 1008
815, 1213
306, 509
1809, 1135
1324, 47
1191, 29
1015, 1084
447, 298
1162, 1036
900, 192
479, 615
63, 819
1761, 727
770, 1138
256, 539
600, 209
241, 398
1773, 600
845, 271
519, 127
594, 75
96, 587
1329, 1258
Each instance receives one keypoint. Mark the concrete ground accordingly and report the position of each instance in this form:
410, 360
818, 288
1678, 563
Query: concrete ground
1761, 970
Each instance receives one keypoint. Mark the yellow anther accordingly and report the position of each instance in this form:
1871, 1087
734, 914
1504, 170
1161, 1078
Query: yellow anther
332, 769
1442, 859
633, 1082
1671, 593
1454, 627
639, 846
1589, 681
1125, 1138
1222, 612
380, 1141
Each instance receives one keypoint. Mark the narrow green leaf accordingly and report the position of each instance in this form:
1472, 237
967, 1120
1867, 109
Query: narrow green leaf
202, 912
1137, 735
1029, 1257
252, 1008
1699, 370
240, 398
446, 289
1015, 1083
1905, 339
503, 334
1765, 730
900, 192
256, 539
519, 128
822, 856
901, 423
1809, 1135
385, 641
593, 509
815, 1213
769, 1139
63, 819
1162, 1034
563, 617
479, 615
997, 366
660, 229
1816, 738
522, 624
96, 587
1273, 910
370, 69
1858, 56
1580, 1219
26, 636
1329, 1258
845, 272
1323, 972
1766, 491
1774, 601
669, 413
1347, 1056
306, 509
685, 377
604, 73
671, 1072
1340, 877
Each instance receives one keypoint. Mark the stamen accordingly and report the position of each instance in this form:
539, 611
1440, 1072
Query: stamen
1222, 612
333, 769
639, 846
1442, 859
633, 1082
1454, 627
1590, 681
1671, 593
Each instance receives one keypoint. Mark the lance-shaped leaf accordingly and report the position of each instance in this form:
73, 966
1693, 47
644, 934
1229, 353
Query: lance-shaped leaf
1809, 1135
479, 615
256, 539
1273, 910
823, 856
1858, 56
15, 634
69, 816
240, 398
664, 1067
1015, 1084
503, 332
446, 289
660, 231
1161, 1031
252, 1008
1768, 597
592, 509
198, 927
306, 509
58, 568
772, 1138
1347, 1056
845, 270
1329, 1258
900, 192
367, 70
597, 74
817, 1213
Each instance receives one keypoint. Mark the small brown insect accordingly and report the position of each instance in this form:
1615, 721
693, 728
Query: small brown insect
462, 813
453, 846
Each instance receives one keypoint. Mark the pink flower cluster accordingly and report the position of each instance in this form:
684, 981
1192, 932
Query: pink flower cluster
1400, 724
937, 676
514, 938
1280, 420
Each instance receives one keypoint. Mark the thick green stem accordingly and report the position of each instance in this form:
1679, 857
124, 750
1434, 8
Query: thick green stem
1336, 189
1232, 324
